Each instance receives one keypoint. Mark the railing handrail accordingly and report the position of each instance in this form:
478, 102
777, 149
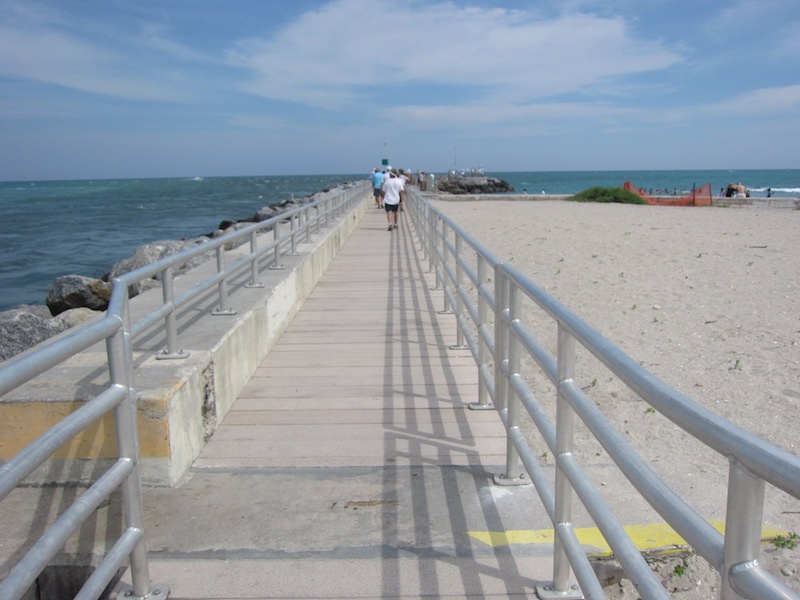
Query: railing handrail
753, 461
766, 460
119, 332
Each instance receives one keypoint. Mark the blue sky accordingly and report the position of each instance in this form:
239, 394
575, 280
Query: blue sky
116, 88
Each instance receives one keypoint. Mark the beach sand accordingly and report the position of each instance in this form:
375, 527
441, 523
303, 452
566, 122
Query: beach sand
706, 299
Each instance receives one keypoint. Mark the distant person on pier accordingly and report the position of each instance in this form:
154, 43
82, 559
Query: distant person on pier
377, 183
393, 193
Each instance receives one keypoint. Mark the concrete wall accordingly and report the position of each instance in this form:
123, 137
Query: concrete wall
180, 402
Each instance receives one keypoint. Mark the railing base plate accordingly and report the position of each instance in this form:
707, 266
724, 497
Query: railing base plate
158, 592
172, 355
501, 479
479, 406
546, 592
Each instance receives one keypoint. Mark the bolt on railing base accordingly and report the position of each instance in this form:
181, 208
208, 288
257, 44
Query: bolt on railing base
179, 355
479, 406
444, 312
547, 592
459, 347
504, 480
277, 267
219, 312
158, 592
257, 284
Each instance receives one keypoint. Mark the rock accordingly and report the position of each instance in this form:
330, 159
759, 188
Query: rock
25, 326
226, 224
264, 213
473, 185
153, 252
77, 291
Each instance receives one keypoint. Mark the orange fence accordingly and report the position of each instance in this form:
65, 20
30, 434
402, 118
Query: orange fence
697, 197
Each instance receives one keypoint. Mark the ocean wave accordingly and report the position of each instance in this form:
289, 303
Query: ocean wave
782, 190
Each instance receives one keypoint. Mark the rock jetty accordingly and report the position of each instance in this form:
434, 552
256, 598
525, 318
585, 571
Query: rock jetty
473, 185
75, 299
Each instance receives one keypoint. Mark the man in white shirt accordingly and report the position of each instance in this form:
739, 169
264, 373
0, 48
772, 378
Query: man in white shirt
393, 193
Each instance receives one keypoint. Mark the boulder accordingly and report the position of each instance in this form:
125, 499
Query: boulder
77, 291
264, 213
24, 326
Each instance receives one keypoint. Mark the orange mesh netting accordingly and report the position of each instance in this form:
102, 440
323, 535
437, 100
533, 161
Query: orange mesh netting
697, 197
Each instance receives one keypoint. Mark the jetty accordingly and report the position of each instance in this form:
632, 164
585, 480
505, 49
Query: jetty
335, 420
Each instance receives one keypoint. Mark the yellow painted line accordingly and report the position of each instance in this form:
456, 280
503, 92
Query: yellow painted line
645, 537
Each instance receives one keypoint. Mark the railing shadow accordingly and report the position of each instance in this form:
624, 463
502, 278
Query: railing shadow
435, 446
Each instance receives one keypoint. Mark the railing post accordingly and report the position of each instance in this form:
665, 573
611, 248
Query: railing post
120, 365
458, 288
254, 282
501, 370
222, 309
294, 226
565, 426
431, 239
483, 352
441, 272
171, 320
277, 266
305, 224
328, 211
743, 516
512, 475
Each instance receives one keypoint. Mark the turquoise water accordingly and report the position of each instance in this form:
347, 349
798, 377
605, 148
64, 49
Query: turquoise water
54, 228
784, 183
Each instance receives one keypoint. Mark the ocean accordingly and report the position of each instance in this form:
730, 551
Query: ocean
54, 228
784, 183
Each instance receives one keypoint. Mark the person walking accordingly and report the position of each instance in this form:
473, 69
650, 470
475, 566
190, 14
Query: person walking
377, 182
393, 193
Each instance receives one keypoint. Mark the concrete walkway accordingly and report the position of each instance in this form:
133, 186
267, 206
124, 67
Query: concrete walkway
351, 466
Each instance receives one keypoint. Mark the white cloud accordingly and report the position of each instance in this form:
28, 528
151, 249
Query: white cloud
132, 59
59, 59
767, 102
442, 115
352, 49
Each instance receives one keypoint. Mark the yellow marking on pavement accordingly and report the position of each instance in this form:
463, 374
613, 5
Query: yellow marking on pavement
645, 537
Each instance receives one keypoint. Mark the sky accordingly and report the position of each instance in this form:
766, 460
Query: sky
172, 88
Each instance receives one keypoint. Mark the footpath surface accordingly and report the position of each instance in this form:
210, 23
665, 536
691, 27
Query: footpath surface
351, 466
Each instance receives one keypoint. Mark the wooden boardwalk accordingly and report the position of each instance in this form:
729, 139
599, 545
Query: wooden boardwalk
351, 466
364, 375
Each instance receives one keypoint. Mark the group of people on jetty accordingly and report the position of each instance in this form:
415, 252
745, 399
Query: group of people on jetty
389, 190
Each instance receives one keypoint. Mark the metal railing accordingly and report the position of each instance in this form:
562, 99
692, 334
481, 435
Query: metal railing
494, 326
118, 332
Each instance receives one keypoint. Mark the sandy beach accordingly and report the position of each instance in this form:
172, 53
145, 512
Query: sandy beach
706, 299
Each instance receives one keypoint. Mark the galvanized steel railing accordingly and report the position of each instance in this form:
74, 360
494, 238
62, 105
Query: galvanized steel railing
494, 326
118, 332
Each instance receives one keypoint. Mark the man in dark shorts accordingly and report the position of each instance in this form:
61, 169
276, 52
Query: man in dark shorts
393, 193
